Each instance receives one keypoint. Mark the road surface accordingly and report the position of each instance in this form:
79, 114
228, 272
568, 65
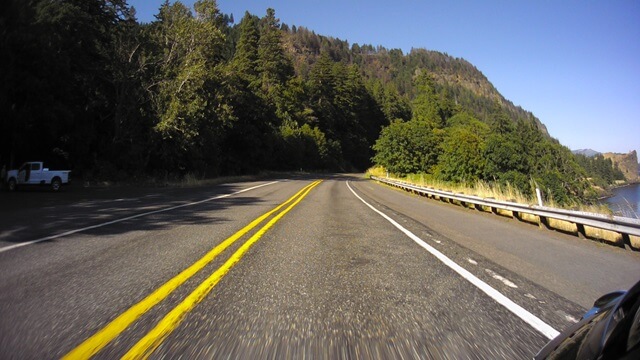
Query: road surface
330, 267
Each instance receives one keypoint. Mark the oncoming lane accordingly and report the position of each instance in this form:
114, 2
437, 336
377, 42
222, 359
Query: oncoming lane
122, 219
154, 338
77, 284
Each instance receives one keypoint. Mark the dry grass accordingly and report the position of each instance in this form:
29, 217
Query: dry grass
511, 194
480, 189
378, 171
487, 190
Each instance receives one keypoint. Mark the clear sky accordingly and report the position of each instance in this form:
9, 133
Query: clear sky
574, 64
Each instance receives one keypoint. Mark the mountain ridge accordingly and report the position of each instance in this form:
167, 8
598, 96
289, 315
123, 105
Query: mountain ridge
463, 80
586, 152
627, 163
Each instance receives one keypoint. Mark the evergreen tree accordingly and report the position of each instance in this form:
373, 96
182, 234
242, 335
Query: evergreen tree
394, 105
322, 92
425, 104
188, 51
245, 60
274, 65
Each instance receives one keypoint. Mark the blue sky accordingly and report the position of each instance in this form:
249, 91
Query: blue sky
573, 64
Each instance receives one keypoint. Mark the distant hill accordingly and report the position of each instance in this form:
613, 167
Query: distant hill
460, 80
627, 163
586, 152
452, 93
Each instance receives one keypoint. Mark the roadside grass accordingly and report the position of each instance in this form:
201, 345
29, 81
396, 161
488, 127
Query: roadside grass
509, 193
480, 188
486, 190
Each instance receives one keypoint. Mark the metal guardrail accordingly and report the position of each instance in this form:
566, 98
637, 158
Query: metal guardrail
622, 225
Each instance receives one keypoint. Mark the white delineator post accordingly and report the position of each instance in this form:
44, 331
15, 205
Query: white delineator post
539, 196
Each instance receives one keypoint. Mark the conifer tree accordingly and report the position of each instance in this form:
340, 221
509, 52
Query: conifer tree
273, 63
425, 104
245, 60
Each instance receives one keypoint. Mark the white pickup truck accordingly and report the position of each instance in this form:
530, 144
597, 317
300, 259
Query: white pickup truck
33, 173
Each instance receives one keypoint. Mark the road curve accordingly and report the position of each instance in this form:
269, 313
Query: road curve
303, 268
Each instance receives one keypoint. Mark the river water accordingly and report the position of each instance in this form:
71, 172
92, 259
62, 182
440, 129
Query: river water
625, 201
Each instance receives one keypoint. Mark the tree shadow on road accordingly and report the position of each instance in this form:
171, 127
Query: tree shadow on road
145, 211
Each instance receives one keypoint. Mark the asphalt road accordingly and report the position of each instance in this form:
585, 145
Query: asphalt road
145, 271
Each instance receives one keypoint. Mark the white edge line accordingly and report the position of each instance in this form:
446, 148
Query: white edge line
518, 310
11, 247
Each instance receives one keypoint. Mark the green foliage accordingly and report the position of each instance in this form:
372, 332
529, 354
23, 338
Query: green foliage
245, 59
306, 148
56, 88
273, 63
408, 147
426, 106
504, 153
190, 93
602, 172
187, 49
394, 105
462, 159
468, 150
345, 110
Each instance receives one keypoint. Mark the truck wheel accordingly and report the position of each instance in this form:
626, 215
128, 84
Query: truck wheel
12, 184
55, 184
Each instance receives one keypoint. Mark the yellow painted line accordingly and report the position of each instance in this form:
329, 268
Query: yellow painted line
104, 336
147, 345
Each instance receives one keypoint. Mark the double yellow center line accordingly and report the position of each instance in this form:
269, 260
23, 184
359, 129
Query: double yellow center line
143, 348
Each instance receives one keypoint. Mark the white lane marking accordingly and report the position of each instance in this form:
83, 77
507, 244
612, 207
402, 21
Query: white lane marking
471, 261
7, 248
530, 296
501, 278
518, 310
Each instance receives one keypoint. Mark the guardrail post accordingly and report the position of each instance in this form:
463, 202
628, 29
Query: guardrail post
626, 241
544, 222
582, 233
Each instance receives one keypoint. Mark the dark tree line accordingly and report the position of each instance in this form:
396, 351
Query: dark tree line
89, 87
84, 85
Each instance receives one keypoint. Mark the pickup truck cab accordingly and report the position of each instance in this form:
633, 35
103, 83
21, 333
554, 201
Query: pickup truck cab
34, 173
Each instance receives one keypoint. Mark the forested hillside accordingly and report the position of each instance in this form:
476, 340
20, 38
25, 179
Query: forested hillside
85, 85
